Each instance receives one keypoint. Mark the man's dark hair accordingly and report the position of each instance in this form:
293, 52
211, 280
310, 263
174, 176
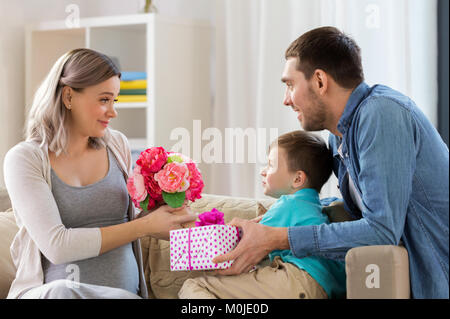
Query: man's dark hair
330, 50
309, 153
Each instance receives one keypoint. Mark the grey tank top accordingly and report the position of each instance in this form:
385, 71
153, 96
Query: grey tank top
101, 204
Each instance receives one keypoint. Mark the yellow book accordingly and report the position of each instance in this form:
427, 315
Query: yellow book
131, 98
136, 84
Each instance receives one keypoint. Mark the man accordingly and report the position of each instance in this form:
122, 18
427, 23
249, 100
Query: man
392, 166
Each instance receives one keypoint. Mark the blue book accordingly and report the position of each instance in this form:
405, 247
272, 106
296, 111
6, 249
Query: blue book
131, 76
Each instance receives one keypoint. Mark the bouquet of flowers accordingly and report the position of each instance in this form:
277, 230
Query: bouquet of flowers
160, 176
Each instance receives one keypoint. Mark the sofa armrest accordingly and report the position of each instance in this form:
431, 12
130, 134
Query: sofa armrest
377, 272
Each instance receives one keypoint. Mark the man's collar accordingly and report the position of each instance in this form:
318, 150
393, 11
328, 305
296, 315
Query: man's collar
358, 94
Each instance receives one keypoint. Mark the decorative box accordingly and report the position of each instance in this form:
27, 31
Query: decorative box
194, 248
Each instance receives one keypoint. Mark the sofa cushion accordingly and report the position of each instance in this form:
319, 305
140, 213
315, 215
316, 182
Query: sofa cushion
8, 230
242, 207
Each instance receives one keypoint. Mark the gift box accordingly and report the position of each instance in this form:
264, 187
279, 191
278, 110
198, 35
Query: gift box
194, 248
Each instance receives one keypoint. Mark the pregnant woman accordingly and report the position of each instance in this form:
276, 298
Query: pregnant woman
78, 232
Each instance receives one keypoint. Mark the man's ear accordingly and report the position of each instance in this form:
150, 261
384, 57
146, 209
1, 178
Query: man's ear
320, 81
300, 179
67, 96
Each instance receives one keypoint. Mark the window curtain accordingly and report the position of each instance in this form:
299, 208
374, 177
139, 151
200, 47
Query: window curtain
398, 40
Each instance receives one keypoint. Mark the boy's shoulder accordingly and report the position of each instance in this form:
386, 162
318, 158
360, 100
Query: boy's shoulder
298, 209
306, 204
306, 196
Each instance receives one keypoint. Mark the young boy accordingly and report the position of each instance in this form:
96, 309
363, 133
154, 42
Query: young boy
299, 165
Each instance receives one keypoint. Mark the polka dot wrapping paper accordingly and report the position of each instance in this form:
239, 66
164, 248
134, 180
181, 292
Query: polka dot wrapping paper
194, 248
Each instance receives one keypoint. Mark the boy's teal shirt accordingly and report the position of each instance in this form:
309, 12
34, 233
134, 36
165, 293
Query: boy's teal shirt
300, 209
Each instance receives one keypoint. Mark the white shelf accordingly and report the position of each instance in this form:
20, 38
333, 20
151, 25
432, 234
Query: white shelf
134, 105
118, 20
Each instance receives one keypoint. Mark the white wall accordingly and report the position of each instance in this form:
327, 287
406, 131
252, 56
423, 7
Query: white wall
15, 14
12, 68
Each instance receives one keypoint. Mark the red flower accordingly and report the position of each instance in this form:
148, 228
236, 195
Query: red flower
153, 188
151, 204
152, 160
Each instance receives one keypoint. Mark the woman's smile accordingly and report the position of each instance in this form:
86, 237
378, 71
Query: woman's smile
104, 123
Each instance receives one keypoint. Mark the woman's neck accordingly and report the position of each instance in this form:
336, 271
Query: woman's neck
77, 145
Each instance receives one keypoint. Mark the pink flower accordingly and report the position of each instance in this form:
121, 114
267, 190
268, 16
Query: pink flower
196, 182
152, 160
136, 203
173, 178
214, 217
136, 186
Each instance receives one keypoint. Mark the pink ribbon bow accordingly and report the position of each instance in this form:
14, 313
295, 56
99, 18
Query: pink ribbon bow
214, 217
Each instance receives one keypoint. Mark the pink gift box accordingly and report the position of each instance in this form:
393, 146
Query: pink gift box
194, 248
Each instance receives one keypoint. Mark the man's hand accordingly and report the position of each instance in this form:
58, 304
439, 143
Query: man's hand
257, 242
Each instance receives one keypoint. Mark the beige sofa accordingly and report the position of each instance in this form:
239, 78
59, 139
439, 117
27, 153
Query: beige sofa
372, 271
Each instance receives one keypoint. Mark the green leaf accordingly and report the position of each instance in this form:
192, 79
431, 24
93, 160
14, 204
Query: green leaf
174, 200
144, 204
174, 158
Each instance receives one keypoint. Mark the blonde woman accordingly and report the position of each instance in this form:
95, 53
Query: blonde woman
78, 232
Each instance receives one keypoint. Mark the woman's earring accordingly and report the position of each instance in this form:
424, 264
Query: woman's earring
70, 106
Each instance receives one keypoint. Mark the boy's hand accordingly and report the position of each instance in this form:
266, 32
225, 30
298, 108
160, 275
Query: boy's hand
257, 242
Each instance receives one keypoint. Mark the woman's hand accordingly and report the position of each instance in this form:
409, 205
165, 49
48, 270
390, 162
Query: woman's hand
162, 220
146, 212
156, 223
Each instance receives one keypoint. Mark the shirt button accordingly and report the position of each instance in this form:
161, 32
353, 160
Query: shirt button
302, 295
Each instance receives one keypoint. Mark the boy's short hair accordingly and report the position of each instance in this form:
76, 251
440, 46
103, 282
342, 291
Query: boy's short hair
309, 153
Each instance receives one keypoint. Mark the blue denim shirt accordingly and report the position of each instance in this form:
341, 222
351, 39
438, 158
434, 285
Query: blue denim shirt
400, 167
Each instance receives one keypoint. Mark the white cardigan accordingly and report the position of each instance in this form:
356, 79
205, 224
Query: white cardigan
28, 181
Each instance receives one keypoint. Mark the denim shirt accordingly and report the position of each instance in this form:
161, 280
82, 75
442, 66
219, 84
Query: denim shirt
400, 167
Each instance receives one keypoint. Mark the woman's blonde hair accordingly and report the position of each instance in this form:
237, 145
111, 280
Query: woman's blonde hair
78, 69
